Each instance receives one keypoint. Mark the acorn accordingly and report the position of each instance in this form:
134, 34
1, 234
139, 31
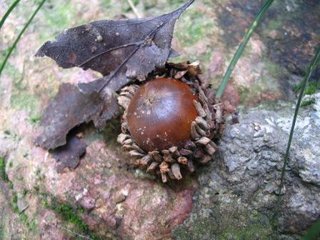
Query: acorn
170, 121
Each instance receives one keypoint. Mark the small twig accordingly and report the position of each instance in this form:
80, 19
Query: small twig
134, 9
24, 209
74, 233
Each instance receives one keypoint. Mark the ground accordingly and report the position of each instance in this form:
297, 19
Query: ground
38, 201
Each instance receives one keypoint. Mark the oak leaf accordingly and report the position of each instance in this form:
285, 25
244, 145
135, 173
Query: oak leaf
121, 50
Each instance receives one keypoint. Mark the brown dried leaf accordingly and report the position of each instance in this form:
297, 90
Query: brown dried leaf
121, 50
70, 108
69, 155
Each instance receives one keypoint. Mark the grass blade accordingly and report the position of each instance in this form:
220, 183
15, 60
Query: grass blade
19, 36
6, 15
313, 233
241, 47
315, 61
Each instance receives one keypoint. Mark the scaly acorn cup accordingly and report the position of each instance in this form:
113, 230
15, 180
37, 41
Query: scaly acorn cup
170, 121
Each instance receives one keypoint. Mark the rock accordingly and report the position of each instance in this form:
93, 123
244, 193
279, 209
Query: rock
234, 197
119, 203
288, 34
278, 53
238, 193
115, 202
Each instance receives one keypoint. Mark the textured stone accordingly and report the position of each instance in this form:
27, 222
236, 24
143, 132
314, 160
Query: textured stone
236, 194
129, 207
239, 192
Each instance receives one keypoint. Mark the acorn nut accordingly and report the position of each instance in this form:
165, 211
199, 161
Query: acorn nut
160, 114
169, 125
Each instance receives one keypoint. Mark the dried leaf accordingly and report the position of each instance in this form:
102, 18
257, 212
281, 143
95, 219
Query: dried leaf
70, 108
121, 50
69, 155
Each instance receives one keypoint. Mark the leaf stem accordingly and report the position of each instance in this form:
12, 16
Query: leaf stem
147, 38
6, 15
20, 35
241, 47
109, 50
134, 9
312, 67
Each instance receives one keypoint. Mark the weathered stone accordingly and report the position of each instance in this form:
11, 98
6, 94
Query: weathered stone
237, 193
240, 190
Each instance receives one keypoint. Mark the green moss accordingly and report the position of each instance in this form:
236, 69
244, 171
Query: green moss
176, 2
14, 203
106, 3
274, 69
59, 15
194, 28
30, 224
10, 69
274, 24
307, 103
311, 88
25, 192
3, 174
210, 229
69, 214
202, 228
244, 93
35, 118
254, 231
24, 101
233, 224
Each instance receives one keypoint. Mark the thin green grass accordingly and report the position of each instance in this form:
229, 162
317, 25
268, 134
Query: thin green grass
6, 15
314, 63
20, 35
241, 48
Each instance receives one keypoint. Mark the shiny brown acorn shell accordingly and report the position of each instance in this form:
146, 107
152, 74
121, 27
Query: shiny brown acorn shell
160, 114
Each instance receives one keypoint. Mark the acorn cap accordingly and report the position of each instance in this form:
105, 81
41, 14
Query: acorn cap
170, 122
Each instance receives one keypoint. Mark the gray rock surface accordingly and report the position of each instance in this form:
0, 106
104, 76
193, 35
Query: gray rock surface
238, 195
